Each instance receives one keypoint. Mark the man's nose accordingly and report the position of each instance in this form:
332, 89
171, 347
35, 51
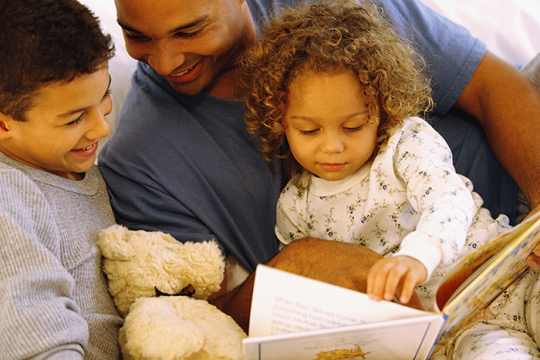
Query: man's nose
165, 57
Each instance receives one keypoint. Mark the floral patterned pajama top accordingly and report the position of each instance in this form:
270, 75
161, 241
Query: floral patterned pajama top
407, 201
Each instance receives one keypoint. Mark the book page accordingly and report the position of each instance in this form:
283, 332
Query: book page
284, 302
405, 339
297, 318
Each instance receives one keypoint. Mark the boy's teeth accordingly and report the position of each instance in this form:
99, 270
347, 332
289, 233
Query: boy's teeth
88, 147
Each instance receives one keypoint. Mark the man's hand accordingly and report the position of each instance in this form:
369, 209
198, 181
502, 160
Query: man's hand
341, 264
388, 275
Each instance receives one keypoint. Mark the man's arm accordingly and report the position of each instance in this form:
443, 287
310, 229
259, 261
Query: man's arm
343, 264
507, 105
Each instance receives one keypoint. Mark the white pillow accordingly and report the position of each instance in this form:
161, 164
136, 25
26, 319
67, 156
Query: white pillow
509, 28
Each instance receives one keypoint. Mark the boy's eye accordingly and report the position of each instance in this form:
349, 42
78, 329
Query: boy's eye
76, 121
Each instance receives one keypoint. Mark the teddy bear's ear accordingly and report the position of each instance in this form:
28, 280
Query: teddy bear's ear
114, 243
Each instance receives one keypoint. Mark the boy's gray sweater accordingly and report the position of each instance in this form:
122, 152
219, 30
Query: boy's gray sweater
54, 302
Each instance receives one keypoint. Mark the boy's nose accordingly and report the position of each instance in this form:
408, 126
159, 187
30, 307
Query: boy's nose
100, 126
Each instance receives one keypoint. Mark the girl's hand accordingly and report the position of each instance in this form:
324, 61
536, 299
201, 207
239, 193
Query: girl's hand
534, 258
390, 275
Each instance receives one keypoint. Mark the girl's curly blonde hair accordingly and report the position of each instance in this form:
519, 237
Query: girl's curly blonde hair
327, 37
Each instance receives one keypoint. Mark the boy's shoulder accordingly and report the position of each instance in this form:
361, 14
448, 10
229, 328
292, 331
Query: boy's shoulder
20, 194
10, 173
13, 179
14, 170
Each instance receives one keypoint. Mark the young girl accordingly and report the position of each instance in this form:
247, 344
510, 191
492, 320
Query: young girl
335, 91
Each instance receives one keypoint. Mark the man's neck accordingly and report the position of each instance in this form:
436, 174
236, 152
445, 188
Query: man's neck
225, 84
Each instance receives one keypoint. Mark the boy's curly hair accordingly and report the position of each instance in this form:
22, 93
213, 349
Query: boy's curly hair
45, 41
327, 37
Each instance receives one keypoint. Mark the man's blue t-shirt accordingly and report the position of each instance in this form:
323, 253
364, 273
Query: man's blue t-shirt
186, 165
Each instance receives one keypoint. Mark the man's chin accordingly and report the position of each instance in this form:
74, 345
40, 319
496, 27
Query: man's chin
186, 89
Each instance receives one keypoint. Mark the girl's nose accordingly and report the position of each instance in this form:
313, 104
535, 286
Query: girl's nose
332, 144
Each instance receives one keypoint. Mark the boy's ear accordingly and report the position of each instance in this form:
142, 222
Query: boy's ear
5, 121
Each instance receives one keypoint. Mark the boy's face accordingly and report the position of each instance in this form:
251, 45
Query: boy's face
192, 43
63, 127
327, 124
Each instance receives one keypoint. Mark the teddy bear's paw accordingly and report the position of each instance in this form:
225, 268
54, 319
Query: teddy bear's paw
223, 335
154, 330
114, 243
145, 260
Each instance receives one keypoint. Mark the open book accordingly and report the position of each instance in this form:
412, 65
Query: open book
293, 317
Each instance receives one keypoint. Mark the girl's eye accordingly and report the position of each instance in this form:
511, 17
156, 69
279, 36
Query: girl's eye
353, 129
309, 132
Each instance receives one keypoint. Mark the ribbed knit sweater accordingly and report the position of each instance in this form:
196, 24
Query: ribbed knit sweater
54, 302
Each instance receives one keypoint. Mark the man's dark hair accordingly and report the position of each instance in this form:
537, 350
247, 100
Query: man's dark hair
44, 41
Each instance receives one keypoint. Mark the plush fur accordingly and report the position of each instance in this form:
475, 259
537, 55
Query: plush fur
139, 266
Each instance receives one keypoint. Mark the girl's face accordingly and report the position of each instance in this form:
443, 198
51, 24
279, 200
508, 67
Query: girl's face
327, 123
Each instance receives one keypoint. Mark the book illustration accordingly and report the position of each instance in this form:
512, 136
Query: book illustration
496, 265
355, 353
472, 262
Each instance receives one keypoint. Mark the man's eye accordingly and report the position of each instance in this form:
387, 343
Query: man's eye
188, 34
136, 37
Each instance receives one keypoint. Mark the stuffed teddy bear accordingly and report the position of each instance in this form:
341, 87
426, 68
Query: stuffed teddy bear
143, 269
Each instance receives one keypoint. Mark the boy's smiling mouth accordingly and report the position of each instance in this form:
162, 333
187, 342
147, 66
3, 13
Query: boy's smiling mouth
89, 148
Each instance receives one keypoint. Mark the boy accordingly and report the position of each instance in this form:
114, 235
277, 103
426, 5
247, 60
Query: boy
54, 95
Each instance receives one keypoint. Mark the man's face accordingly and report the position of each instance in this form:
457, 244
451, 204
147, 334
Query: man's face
193, 43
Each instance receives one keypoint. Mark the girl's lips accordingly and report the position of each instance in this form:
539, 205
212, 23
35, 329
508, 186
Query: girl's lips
332, 167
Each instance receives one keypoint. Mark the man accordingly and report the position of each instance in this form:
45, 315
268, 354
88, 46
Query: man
181, 161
